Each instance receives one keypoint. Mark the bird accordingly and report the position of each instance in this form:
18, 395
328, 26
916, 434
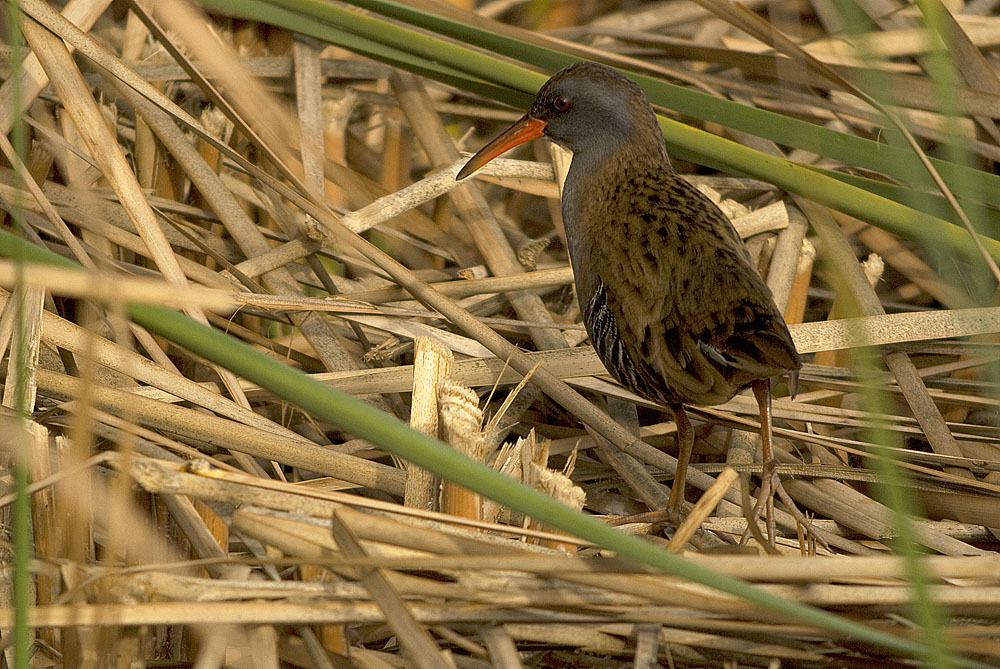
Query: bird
672, 303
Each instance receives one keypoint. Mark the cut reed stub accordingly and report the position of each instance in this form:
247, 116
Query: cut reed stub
461, 426
432, 363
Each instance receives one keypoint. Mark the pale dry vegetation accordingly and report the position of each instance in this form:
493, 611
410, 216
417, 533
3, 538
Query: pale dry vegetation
297, 196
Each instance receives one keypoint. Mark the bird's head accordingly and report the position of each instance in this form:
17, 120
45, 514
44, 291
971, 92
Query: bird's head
586, 108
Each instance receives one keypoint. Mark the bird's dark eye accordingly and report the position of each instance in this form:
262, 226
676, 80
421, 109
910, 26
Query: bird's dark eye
561, 104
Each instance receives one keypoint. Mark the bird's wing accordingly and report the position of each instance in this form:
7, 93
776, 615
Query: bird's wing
756, 348
688, 302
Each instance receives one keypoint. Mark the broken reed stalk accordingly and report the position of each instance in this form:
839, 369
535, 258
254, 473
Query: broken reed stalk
798, 295
873, 267
461, 426
555, 484
432, 363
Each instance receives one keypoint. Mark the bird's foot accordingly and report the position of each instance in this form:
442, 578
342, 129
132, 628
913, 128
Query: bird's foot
765, 506
770, 487
807, 531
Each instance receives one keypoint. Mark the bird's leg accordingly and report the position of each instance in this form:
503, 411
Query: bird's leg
685, 441
770, 483
762, 391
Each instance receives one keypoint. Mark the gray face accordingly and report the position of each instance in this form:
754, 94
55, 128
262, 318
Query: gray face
590, 106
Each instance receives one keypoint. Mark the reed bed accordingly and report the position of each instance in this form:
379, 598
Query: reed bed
215, 213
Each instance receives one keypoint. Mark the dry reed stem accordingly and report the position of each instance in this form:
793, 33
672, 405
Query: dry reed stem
797, 297
461, 427
105, 150
432, 363
198, 426
702, 508
559, 486
416, 641
109, 287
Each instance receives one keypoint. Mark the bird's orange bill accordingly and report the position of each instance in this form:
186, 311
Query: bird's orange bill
525, 129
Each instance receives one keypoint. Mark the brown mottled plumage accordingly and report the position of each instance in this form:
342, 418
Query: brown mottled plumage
672, 303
